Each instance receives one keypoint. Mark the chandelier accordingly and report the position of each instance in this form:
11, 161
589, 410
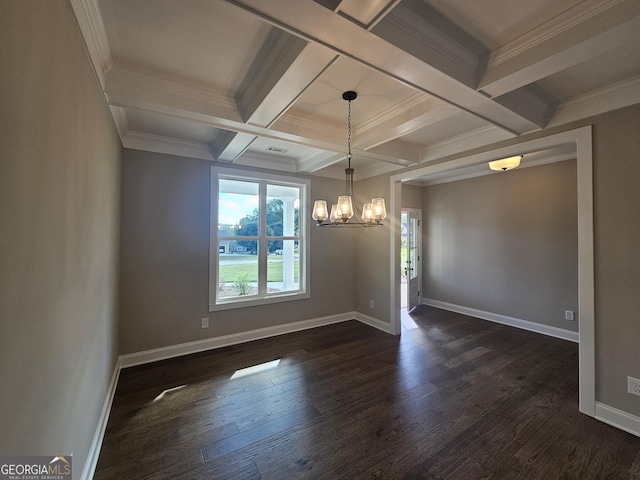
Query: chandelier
343, 212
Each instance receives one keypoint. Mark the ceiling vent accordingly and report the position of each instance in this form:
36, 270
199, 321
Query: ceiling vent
277, 149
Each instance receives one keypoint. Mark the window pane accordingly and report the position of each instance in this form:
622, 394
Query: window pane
237, 271
238, 208
283, 266
283, 204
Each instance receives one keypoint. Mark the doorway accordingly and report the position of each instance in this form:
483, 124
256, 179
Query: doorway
580, 140
410, 259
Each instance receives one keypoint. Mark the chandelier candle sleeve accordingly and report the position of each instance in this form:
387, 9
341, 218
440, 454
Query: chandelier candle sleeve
334, 213
345, 207
320, 213
379, 209
367, 213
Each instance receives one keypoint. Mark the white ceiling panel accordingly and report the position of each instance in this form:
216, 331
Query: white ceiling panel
196, 41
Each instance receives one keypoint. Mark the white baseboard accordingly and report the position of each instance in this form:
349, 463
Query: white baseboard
505, 320
373, 322
148, 356
617, 418
96, 444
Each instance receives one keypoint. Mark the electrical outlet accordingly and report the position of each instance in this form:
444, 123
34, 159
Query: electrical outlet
371, 304
205, 323
633, 385
568, 315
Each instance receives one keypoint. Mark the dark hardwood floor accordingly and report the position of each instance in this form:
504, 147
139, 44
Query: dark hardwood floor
455, 398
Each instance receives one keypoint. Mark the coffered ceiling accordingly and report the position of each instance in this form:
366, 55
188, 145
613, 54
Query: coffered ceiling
260, 83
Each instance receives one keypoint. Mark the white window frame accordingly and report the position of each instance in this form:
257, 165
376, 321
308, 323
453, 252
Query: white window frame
263, 298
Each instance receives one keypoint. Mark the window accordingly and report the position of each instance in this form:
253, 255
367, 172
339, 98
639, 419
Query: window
258, 242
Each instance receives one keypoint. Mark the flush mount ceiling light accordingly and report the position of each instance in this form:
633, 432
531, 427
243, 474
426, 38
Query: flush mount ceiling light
505, 164
342, 213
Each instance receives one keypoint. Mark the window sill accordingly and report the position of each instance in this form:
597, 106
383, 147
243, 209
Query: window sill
255, 301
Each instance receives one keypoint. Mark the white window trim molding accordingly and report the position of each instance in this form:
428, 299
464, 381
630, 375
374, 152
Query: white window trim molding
255, 300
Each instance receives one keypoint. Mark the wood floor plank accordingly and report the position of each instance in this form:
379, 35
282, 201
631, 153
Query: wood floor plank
455, 398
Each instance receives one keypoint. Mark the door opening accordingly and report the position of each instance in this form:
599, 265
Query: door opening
410, 263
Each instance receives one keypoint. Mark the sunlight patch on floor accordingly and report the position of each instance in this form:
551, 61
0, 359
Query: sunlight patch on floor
255, 369
168, 390
406, 320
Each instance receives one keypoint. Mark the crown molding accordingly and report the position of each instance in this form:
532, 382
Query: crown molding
307, 126
137, 83
120, 119
564, 22
412, 102
373, 170
397, 148
272, 162
429, 112
611, 97
464, 142
89, 18
317, 160
170, 146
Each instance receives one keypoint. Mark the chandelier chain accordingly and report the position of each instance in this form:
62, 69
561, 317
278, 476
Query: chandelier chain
349, 134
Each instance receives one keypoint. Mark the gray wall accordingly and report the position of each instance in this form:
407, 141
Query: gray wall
164, 274
59, 191
617, 255
505, 243
411, 196
372, 254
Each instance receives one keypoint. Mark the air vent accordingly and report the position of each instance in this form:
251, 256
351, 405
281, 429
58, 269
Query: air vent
277, 149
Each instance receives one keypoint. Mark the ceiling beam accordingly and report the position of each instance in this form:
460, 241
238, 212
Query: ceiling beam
128, 89
366, 14
286, 67
416, 28
591, 28
273, 89
316, 24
